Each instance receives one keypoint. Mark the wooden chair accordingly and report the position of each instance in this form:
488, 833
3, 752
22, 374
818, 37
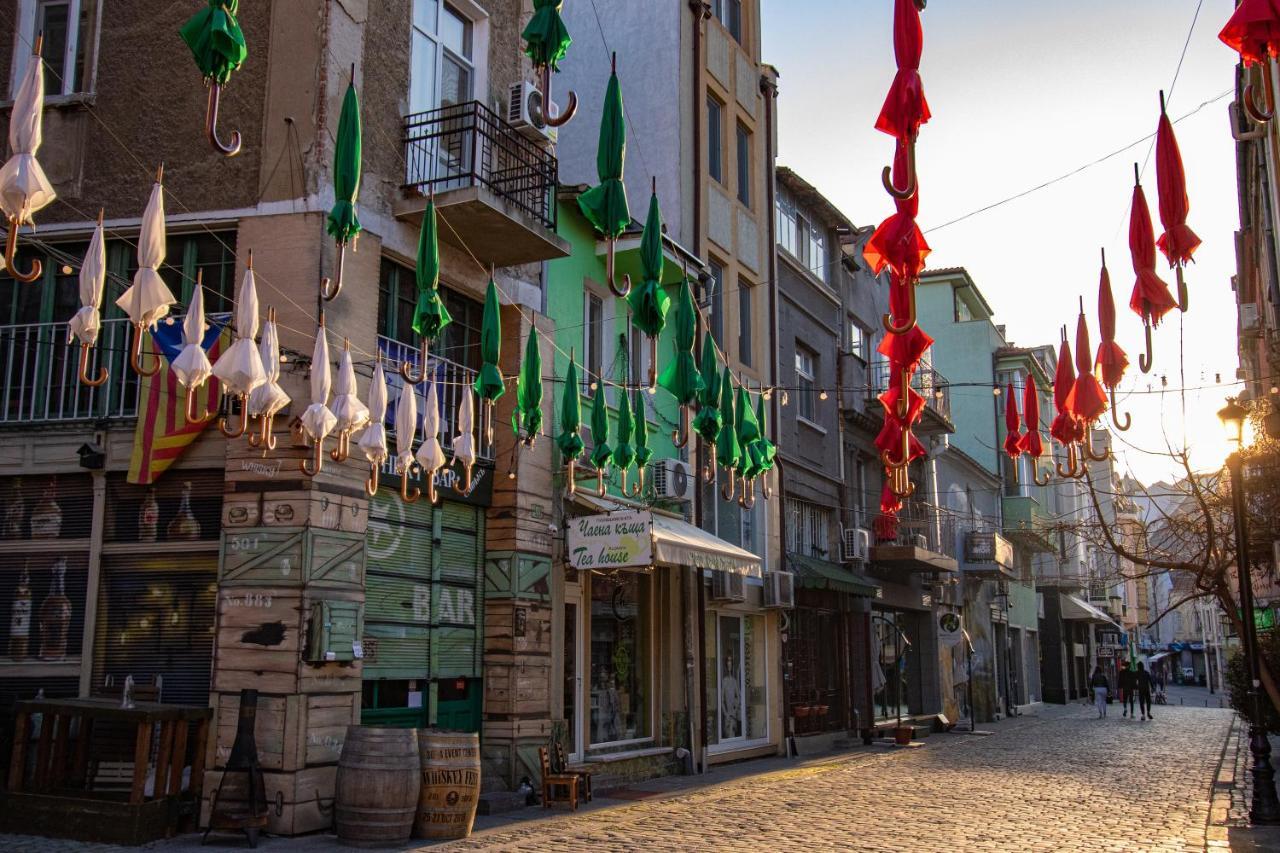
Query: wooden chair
553, 782
584, 776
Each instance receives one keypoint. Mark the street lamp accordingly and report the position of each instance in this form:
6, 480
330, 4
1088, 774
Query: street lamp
1265, 807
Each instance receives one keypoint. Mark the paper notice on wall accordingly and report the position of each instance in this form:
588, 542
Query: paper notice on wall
415, 698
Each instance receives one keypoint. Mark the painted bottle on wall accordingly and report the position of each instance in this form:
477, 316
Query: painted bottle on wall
184, 525
46, 517
55, 615
20, 618
14, 512
148, 517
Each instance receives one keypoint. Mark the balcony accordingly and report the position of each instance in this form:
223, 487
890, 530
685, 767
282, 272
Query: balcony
1026, 524
988, 555
925, 541
926, 382
494, 188
39, 375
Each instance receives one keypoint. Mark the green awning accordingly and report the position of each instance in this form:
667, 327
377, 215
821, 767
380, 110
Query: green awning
815, 573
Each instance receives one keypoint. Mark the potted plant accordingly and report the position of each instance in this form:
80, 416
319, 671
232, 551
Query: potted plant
903, 735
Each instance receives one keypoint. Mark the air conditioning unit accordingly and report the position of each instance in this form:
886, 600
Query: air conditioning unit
779, 590
525, 112
728, 586
919, 540
673, 480
1249, 317
856, 545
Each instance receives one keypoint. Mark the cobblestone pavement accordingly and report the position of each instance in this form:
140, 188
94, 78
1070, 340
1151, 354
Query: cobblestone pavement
1060, 781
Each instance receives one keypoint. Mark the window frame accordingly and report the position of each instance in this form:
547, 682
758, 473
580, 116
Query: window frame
746, 321
647, 600
28, 24
859, 344
594, 338
806, 384
472, 18
729, 14
742, 144
715, 139
715, 302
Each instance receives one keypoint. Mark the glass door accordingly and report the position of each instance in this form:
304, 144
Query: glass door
732, 699
572, 682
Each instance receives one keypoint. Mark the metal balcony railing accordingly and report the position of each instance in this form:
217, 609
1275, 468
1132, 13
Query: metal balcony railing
928, 527
464, 145
39, 375
926, 382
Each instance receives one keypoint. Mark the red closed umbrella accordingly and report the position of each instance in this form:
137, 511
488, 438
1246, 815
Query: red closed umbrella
1253, 30
1031, 443
905, 107
1178, 242
1088, 401
898, 243
1111, 360
1063, 427
1151, 298
1012, 437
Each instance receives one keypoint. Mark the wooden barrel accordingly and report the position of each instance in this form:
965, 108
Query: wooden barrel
377, 789
450, 783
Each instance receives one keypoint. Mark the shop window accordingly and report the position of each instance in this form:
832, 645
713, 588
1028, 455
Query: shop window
894, 667
620, 658
184, 506
737, 682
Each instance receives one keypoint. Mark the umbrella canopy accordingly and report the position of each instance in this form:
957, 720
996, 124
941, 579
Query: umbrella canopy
343, 223
1064, 427
905, 107
1012, 426
429, 315
898, 244
605, 205
527, 415
24, 189
373, 441
148, 298
1111, 361
1151, 298
681, 375
430, 453
317, 420
1088, 401
1178, 242
1031, 442
643, 452
406, 425
351, 414
624, 452
546, 37
570, 440
762, 449
728, 453
191, 366
649, 301
93, 273
748, 433
709, 420
601, 453
269, 398
489, 383
240, 366
215, 39
464, 443
1253, 30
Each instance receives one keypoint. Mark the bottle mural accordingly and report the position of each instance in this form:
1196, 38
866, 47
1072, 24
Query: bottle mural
14, 512
148, 517
184, 524
46, 517
55, 615
20, 618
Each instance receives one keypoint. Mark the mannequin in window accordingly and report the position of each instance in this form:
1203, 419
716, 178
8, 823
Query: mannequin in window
730, 699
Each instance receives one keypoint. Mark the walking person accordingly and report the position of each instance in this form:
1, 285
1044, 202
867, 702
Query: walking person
1128, 680
1101, 687
1144, 691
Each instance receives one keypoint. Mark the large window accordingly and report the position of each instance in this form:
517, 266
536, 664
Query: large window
592, 338
620, 663
70, 29
715, 139
744, 165
737, 680
801, 237
397, 299
715, 307
729, 13
745, 321
808, 529
441, 70
806, 370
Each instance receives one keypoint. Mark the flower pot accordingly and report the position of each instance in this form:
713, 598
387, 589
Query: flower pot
902, 735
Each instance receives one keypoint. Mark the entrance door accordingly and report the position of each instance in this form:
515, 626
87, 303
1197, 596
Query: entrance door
731, 702
572, 682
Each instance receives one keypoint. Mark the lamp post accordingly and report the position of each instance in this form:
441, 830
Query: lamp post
1265, 808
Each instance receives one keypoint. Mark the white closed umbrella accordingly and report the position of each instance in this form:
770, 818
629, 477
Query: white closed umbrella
24, 189
347, 408
192, 367
269, 398
464, 443
406, 427
87, 322
430, 453
373, 441
148, 298
239, 368
317, 420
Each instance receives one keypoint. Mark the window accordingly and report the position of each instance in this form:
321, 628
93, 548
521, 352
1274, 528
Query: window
397, 299
816, 260
729, 13
744, 165
737, 680
745, 294
69, 28
715, 139
803, 240
808, 528
859, 341
806, 400
963, 312
715, 302
441, 71
620, 658
592, 339
787, 233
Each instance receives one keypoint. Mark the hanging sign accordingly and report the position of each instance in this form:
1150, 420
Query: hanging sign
612, 541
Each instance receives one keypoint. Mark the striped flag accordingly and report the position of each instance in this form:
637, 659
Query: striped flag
163, 433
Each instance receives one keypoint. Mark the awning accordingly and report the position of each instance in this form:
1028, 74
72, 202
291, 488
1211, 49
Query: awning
1079, 610
814, 573
638, 539
679, 543
1159, 656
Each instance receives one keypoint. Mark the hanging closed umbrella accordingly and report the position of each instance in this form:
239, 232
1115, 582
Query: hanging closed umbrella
546, 42
24, 189
1088, 401
430, 454
217, 45
406, 425
569, 440
240, 367
601, 453
1065, 427
526, 418
763, 450
728, 453
624, 452
1032, 444
489, 384
1151, 299
649, 301
148, 298
1012, 429
317, 420
748, 433
1111, 361
899, 245
430, 316
87, 322
605, 204
1253, 31
191, 367
643, 452
905, 108
464, 443
269, 398
373, 441
709, 420
343, 224
681, 376
351, 414
1178, 242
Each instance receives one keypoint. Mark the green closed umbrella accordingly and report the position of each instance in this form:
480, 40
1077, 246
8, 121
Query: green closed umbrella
605, 204
643, 452
218, 46
343, 224
707, 423
681, 375
546, 37
429, 315
728, 453
624, 453
649, 301
602, 454
570, 438
527, 415
489, 383
748, 430
762, 449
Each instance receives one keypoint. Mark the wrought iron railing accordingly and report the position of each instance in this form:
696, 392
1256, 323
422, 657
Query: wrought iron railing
926, 526
463, 145
450, 378
39, 375
926, 382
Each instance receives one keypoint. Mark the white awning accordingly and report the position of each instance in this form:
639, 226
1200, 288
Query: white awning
1159, 656
1079, 610
638, 539
679, 543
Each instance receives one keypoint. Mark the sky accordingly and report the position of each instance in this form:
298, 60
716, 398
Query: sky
1022, 93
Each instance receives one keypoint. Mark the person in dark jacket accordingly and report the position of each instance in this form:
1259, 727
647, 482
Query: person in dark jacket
1144, 690
1101, 687
1128, 689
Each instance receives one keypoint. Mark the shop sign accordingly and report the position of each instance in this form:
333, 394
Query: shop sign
614, 541
950, 629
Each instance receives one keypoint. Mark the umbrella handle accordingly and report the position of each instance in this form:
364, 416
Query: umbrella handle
902, 463
330, 288
886, 175
405, 495
1115, 418
406, 368
903, 399
900, 482
244, 420
311, 466
431, 487
1145, 359
569, 110
1086, 450
653, 364
709, 471
765, 491
135, 353
1072, 470
747, 498
1182, 288
1242, 135
727, 490
571, 477
904, 328
680, 435
371, 484
601, 485
1035, 474
466, 473
264, 437
190, 410
1264, 113
625, 290
11, 249
84, 368
211, 124
342, 449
